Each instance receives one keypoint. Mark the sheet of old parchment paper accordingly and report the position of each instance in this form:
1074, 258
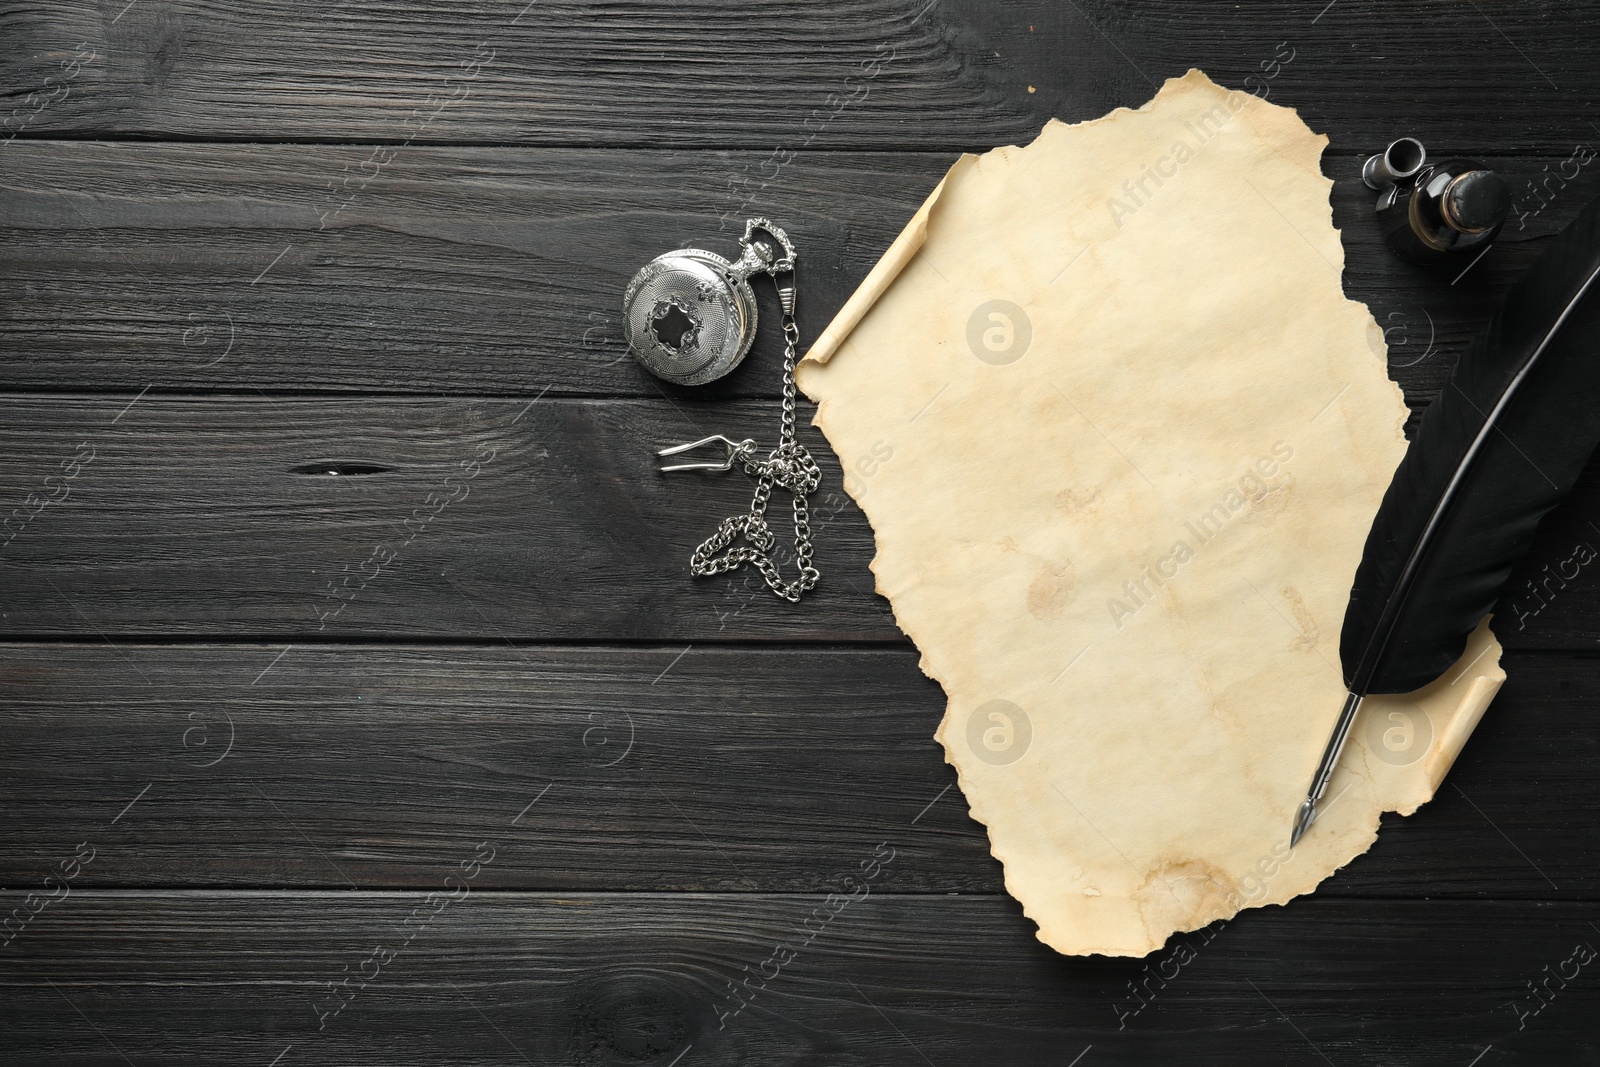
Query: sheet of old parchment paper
1120, 437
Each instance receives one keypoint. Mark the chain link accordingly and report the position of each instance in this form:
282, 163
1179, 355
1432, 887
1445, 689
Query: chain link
789, 465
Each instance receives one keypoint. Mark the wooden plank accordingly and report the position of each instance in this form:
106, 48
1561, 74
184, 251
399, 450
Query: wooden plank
828, 74
499, 271
460, 519
666, 768
457, 271
454, 519
835, 73
243, 978
1463, 79
663, 768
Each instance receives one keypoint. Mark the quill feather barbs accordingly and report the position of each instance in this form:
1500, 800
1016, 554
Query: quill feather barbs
1500, 447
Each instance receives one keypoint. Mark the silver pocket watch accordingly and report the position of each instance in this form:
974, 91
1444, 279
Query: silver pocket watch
689, 317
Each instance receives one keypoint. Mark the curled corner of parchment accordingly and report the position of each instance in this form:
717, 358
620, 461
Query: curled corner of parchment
882, 274
1120, 436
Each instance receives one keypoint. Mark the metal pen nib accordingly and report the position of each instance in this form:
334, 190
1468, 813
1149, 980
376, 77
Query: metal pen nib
1307, 812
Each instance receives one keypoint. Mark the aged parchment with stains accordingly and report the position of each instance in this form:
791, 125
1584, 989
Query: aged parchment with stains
1120, 437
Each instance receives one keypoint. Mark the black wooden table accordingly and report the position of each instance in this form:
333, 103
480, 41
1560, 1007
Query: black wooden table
355, 706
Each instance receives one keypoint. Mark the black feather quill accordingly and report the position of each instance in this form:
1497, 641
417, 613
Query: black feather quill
1500, 447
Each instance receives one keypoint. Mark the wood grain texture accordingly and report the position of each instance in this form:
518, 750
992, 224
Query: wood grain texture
474, 271
668, 768
485, 520
620, 979
749, 74
453, 271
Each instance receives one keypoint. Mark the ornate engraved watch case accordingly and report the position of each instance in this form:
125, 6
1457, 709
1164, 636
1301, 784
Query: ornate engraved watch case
690, 315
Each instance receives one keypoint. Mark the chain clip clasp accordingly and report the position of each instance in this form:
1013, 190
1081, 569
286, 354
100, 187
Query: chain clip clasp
737, 450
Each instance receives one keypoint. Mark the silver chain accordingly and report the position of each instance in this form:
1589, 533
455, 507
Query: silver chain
789, 465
